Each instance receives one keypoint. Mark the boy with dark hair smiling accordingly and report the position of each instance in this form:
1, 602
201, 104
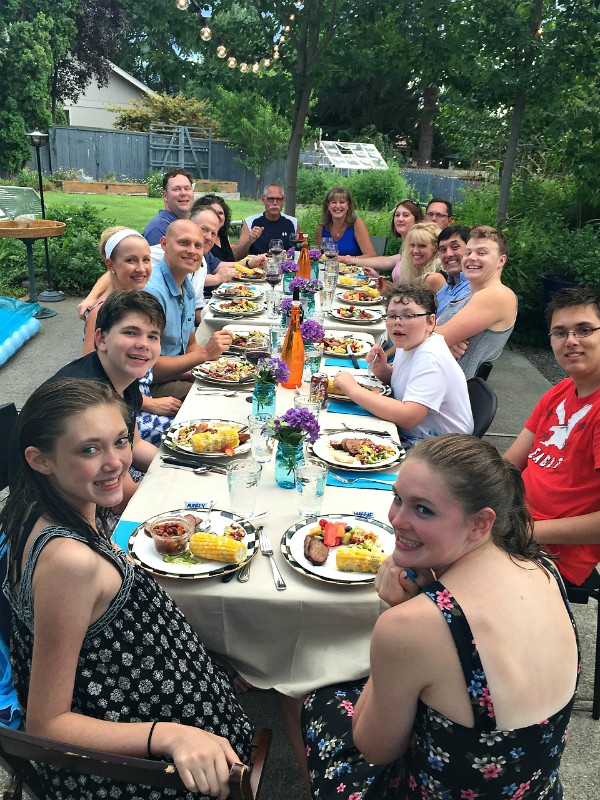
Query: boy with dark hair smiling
127, 339
558, 450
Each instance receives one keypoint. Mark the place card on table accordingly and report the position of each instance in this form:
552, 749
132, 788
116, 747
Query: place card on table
345, 362
345, 407
362, 481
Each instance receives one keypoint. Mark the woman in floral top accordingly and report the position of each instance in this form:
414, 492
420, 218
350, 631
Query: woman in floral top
464, 701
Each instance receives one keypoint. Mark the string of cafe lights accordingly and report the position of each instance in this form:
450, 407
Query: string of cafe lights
251, 65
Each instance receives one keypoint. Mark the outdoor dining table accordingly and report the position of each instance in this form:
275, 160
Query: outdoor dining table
313, 633
211, 322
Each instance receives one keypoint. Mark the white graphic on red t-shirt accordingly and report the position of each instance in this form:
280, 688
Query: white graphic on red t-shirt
561, 432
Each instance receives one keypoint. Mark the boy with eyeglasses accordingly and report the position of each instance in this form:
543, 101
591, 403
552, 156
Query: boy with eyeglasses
274, 223
558, 450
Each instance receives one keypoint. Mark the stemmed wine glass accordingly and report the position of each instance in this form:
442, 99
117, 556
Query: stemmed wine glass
272, 271
258, 345
276, 248
330, 248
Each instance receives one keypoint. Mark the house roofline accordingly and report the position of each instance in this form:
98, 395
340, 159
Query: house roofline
130, 79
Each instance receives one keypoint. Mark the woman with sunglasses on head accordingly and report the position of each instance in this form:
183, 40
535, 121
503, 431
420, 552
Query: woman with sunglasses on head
340, 223
405, 215
222, 248
429, 389
102, 657
474, 666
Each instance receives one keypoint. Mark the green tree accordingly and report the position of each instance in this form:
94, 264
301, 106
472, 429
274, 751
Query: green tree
25, 68
249, 122
166, 109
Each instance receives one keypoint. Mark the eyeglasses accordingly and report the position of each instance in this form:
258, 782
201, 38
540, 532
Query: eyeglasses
410, 200
275, 199
579, 333
405, 317
435, 215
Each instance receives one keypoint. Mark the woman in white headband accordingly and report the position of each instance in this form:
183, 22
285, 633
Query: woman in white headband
127, 257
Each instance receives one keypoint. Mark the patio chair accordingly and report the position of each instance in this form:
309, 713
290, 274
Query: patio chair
379, 243
590, 590
483, 404
8, 426
484, 369
19, 749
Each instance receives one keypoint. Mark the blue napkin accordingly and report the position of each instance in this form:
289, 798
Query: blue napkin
345, 362
344, 407
123, 531
363, 482
10, 711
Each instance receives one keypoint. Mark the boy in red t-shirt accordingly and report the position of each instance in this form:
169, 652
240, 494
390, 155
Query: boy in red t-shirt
558, 450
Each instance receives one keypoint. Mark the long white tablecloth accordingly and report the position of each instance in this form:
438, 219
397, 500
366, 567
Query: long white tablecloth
310, 635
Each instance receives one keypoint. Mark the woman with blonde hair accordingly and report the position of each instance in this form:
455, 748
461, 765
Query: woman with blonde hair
420, 257
340, 223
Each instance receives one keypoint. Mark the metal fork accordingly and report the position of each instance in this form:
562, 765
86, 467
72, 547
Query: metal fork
351, 481
205, 526
267, 550
243, 574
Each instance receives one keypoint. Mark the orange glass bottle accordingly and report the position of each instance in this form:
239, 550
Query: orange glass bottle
304, 260
292, 351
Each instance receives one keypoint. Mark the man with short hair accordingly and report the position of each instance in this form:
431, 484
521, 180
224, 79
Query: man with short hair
439, 211
178, 196
183, 248
274, 224
452, 242
558, 450
127, 340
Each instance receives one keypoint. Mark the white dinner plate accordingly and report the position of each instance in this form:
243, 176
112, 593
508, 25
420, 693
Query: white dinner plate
368, 382
238, 290
352, 281
232, 308
172, 437
364, 342
373, 301
322, 450
367, 315
141, 547
202, 371
292, 548
245, 332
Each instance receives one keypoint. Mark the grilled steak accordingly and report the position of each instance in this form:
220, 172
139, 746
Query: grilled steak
315, 551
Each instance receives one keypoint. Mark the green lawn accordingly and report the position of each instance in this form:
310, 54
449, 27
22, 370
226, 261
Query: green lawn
132, 211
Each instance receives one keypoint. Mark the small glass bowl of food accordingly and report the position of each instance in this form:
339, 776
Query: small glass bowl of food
171, 535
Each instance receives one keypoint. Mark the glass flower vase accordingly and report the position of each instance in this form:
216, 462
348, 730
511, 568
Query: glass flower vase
314, 268
308, 304
286, 458
263, 398
288, 277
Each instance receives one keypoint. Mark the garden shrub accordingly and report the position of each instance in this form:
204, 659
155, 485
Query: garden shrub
76, 262
313, 185
377, 189
154, 181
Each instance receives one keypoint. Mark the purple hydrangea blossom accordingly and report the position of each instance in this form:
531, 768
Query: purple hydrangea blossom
272, 370
312, 331
298, 282
314, 254
312, 287
285, 306
294, 426
290, 252
289, 266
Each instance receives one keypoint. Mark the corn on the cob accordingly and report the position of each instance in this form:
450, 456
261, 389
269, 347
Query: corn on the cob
358, 559
213, 442
217, 548
244, 270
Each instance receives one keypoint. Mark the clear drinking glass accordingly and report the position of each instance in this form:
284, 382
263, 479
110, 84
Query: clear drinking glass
262, 446
243, 478
304, 401
311, 479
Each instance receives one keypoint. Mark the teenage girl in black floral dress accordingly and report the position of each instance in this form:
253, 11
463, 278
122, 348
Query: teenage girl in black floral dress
464, 702
101, 656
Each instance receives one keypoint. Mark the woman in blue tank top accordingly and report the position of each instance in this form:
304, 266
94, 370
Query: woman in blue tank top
340, 223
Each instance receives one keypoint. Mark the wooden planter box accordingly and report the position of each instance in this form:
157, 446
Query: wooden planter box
205, 186
98, 187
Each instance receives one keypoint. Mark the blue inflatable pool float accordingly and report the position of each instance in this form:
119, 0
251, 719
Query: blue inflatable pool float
17, 325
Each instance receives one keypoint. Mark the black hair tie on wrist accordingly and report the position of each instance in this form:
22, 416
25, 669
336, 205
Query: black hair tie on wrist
154, 724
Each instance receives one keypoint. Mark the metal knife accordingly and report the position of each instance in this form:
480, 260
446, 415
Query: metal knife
180, 462
353, 358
